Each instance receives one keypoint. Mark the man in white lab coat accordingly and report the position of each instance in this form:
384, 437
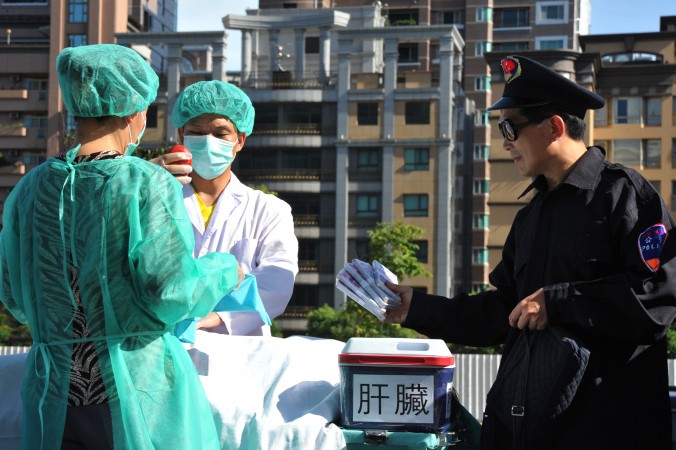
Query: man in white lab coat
213, 120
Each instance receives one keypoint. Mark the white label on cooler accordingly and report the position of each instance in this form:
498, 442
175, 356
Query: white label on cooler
393, 398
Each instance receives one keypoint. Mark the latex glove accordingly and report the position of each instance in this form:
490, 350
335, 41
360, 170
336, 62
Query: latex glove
180, 171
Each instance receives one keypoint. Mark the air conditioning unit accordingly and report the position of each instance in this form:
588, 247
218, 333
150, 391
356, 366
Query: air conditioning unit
15, 115
15, 78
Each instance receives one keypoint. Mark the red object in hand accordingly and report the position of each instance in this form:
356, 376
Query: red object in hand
180, 149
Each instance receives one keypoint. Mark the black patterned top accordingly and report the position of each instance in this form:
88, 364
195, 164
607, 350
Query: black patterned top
86, 384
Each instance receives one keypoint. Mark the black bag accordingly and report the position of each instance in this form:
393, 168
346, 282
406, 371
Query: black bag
536, 383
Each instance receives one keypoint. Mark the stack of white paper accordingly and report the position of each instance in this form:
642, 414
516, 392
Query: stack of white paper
365, 284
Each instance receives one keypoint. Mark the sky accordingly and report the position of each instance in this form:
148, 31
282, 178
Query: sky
608, 17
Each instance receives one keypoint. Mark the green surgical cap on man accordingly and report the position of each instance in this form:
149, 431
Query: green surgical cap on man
105, 80
214, 97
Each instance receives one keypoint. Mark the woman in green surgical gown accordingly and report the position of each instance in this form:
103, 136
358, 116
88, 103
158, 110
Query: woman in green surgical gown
96, 255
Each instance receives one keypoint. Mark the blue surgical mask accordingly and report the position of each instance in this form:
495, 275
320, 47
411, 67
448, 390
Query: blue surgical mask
210, 156
132, 146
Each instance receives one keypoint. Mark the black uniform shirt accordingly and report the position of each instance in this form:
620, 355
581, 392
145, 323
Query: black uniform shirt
599, 244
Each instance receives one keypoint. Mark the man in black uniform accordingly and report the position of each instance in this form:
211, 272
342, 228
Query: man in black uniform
589, 253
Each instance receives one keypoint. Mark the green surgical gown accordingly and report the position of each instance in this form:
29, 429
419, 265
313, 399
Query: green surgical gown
122, 224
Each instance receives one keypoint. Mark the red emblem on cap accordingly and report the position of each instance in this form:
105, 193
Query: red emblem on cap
511, 68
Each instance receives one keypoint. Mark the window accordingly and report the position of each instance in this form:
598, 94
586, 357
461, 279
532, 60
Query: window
632, 58
480, 255
362, 248
70, 122
452, 17
299, 159
482, 118
367, 205
634, 152
312, 45
482, 83
627, 110
417, 113
482, 152
512, 18
480, 287
509, 46
601, 117
480, 221
484, 14
76, 40
482, 47
481, 187
422, 252
307, 249
151, 116
653, 111
656, 184
551, 42
367, 160
77, 11
551, 12
415, 205
408, 53
416, 159
367, 113
673, 153
627, 152
652, 154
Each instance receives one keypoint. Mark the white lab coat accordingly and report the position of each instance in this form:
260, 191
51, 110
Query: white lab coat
257, 228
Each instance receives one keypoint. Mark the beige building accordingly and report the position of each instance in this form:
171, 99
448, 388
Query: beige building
636, 74
33, 122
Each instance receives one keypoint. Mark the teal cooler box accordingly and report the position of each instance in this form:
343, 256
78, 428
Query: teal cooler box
396, 384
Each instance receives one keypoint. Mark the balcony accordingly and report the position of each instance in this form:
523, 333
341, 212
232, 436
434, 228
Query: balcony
296, 129
288, 80
13, 94
313, 220
314, 266
13, 130
286, 175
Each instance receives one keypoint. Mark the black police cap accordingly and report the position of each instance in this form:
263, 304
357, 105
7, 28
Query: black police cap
529, 83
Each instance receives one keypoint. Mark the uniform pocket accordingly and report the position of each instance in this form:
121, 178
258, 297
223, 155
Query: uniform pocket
587, 256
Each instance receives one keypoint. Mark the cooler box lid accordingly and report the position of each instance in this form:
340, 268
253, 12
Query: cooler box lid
397, 352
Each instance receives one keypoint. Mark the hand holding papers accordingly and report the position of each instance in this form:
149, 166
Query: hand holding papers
365, 284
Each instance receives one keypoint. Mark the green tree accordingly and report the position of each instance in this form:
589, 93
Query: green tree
351, 321
11, 331
393, 245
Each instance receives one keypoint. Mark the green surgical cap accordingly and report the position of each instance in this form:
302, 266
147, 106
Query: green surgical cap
105, 80
214, 97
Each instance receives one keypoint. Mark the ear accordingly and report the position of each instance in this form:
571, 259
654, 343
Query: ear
558, 127
241, 138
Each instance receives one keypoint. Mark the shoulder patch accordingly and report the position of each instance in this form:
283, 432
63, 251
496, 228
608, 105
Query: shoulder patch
650, 244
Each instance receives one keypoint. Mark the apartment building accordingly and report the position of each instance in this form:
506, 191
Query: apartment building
636, 74
33, 122
485, 26
637, 78
349, 135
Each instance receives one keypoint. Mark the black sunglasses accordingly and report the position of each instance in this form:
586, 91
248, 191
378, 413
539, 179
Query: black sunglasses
508, 129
